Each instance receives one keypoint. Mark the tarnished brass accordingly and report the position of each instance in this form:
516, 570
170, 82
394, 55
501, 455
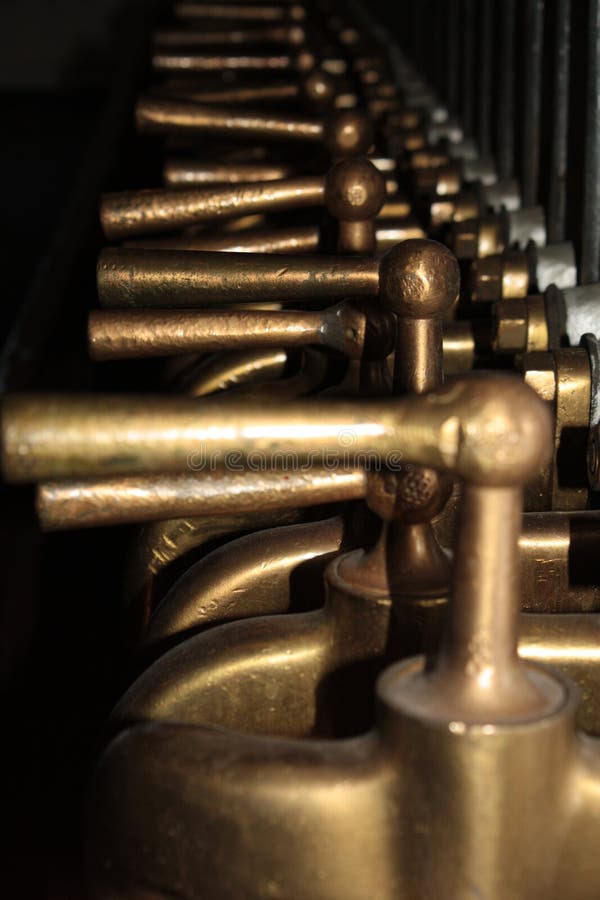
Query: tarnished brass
167, 61
84, 504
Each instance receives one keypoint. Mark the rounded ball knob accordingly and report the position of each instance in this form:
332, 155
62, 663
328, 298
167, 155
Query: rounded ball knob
419, 279
348, 133
305, 61
354, 190
318, 89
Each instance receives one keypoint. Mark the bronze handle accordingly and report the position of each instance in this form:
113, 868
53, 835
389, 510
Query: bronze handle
131, 213
241, 12
344, 133
69, 504
187, 37
135, 334
488, 430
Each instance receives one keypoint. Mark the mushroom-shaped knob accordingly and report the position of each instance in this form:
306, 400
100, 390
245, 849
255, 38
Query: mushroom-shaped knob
348, 132
354, 190
419, 279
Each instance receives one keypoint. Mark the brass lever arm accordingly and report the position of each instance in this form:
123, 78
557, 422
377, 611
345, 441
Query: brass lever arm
490, 430
133, 334
130, 213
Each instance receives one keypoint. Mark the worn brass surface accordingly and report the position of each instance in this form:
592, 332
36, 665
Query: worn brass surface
159, 544
84, 504
46, 437
188, 173
131, 213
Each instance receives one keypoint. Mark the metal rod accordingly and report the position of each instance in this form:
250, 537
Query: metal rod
167, 62
160, 115
186, 37
171, 278
506, 93
131, 213
532, 100
491, 430
134, 334
484, 78
590, 238
557, 200
85, 504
